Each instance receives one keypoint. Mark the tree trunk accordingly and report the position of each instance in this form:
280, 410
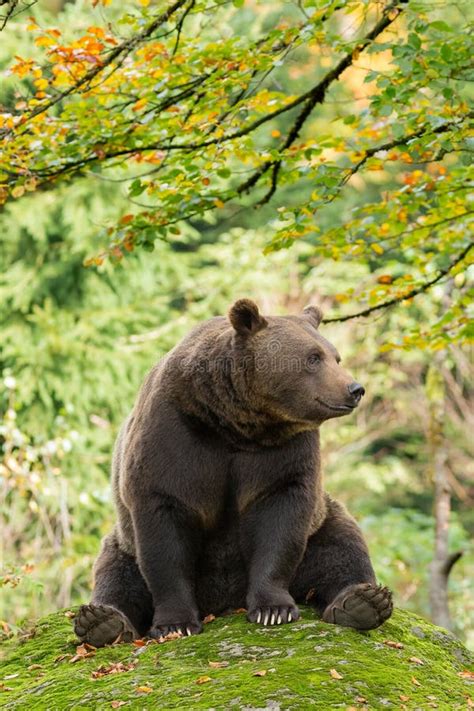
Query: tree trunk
442, 562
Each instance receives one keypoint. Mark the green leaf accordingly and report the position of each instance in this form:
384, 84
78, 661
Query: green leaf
441, 26
446, 52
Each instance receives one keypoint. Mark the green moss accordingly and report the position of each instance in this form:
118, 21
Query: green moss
297, 660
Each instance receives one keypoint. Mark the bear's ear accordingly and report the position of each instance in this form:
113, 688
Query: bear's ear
313, 315
245, 317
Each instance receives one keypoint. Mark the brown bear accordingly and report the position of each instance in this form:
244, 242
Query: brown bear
219, 494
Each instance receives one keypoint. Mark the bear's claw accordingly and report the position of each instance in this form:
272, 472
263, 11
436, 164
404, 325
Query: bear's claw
273, 615
364, 607
99, 625
182, 628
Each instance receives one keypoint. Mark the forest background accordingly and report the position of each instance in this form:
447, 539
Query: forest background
159, 160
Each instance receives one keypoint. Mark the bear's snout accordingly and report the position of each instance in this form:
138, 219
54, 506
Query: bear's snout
356, 391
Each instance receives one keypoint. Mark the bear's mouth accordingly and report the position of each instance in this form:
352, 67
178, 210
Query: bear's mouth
336, 408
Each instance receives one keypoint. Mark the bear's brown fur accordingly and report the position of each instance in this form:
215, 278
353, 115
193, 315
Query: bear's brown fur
219, 493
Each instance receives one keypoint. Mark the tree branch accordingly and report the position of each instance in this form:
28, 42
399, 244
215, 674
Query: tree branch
122, 49
425, 130
313, 96
450, 562
310, 99
414, 292
12, 10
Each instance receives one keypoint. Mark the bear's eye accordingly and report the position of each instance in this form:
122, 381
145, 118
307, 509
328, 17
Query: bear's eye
314, 359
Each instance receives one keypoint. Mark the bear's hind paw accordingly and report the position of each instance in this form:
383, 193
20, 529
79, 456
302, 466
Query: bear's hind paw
99, 625
363, 606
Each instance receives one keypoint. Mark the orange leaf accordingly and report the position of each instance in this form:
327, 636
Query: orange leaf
276, 133
139, 104
139, 643
126, 219
209, 618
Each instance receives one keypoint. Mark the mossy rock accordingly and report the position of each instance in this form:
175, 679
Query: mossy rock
408, 664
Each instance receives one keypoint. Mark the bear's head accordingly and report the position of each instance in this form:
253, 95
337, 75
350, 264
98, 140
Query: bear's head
289, 369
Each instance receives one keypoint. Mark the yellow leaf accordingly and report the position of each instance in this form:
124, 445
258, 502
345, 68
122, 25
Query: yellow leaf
335, 674
145, 689
218, 203
44, 41
276, 133
377, 248
203, 680
41, 84
18, 191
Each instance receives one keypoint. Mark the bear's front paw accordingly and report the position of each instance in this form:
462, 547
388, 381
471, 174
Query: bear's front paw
271, 607
362, 606
160, 630
273, 614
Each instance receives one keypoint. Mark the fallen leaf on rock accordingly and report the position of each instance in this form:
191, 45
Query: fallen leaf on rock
415, 681
117, 704
402, 697
83, 651
335, 674
261, 672
218, 665
69, 614
116, 668
144, 689
203, 679
394, 645
466, 674
415, 660
208, 618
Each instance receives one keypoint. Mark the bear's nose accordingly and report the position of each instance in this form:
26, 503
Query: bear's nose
356, 390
